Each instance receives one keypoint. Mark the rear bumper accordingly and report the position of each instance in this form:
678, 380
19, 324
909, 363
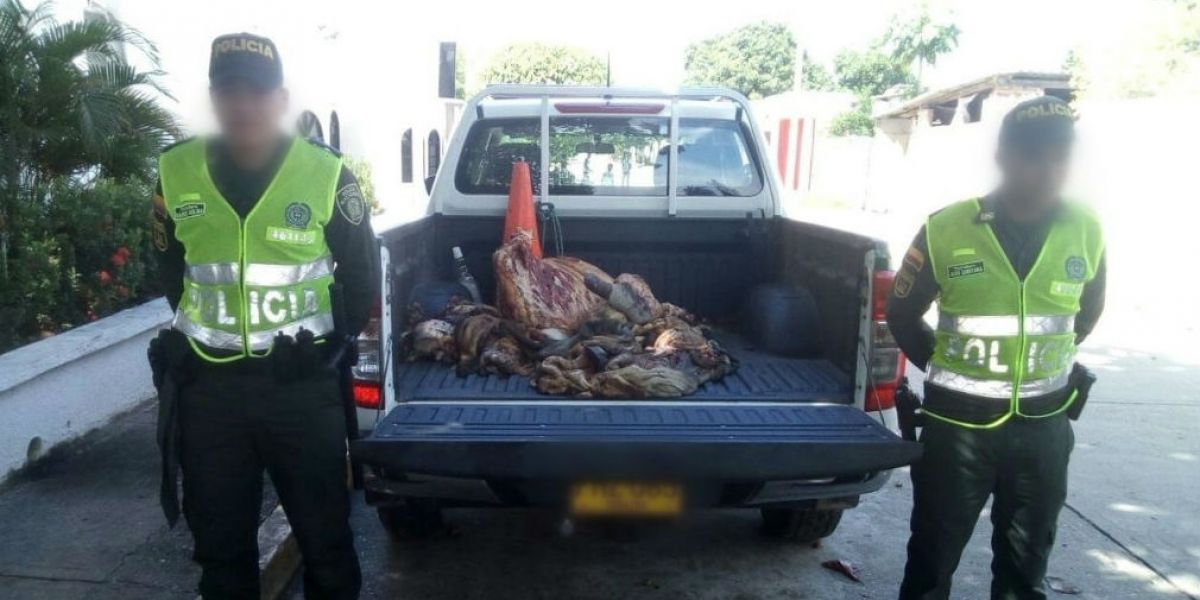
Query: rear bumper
387, 488
690, 442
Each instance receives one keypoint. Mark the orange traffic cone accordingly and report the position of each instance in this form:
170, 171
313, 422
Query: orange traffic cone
520, 207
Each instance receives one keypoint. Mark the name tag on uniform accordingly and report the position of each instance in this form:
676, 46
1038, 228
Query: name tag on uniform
1070, 289
291, 236
965, 269
189, 207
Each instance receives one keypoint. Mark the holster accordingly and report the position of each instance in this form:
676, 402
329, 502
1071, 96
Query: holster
342, 359
1080, 382
908, 406
171, 367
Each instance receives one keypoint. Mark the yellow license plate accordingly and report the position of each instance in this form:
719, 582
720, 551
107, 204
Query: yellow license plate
627, 499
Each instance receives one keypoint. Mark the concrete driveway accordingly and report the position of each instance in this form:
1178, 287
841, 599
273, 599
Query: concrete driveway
1131, 530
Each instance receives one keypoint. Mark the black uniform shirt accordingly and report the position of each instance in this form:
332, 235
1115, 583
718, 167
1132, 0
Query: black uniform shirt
915, 288
352, 243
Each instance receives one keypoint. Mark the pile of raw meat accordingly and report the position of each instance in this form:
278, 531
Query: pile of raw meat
573, 330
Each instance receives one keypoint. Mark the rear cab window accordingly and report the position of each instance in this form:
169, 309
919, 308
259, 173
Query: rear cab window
612, 155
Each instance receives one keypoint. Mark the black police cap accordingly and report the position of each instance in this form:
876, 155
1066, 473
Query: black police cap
247, 58
1038, 122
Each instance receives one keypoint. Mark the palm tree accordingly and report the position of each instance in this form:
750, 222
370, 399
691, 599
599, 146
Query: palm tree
69, 101
920, 39
70, 107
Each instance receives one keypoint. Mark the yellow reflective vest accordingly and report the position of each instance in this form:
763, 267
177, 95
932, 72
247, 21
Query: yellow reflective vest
247, 280
1001, 338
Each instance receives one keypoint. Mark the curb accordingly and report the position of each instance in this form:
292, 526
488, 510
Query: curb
278, 554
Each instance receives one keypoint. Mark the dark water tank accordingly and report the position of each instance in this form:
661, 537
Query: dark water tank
781, 318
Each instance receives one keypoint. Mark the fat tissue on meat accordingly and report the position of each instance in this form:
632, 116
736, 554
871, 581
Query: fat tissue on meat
543, 293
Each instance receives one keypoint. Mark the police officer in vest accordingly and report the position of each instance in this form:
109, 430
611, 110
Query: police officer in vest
1018, 276
255, 228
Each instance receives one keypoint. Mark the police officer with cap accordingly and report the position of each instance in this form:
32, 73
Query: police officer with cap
1018, 276
264, 239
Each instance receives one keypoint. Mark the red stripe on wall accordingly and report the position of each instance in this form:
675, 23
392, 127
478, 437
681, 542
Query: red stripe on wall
799, 153
812, 154
781, 154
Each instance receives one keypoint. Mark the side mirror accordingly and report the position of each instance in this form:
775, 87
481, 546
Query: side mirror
429, 184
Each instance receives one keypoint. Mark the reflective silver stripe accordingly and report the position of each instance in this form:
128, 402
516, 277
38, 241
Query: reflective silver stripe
213, 338
1049, 324
213, 273
1005, 325
277, 275
320, 324
994, 388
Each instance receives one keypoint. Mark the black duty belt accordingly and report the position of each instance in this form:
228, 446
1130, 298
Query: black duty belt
975, 409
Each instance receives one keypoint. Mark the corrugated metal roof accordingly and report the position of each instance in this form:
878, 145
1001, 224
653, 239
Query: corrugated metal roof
1028, 79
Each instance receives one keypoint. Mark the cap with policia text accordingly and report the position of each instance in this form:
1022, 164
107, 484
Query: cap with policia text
1041, 121
245, 57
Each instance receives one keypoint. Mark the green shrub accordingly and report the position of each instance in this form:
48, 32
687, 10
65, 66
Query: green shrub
855, 121
86, 254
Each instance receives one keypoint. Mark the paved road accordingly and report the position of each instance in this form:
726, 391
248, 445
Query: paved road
1132, 529
84, 523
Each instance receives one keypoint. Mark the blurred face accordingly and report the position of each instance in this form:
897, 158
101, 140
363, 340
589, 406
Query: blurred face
249, 116
1032, 178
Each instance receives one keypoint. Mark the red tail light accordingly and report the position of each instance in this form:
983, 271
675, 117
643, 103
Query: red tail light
887, 362
367, 395
368, 372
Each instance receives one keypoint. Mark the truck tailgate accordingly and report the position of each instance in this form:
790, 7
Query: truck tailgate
632, 440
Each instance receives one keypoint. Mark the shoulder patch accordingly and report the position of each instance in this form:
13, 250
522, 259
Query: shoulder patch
322, 145
351, 204
914, 259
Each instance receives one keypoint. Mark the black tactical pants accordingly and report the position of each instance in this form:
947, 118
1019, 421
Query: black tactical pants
233, 426
1023, 466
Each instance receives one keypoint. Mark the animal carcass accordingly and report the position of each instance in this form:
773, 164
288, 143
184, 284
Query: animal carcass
543, 293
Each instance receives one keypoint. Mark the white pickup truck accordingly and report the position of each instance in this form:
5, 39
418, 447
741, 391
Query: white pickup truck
673, 187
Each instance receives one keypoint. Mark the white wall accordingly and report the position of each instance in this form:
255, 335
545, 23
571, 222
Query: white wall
61, 387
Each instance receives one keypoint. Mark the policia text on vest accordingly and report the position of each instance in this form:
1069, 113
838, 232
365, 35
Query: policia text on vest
248, 281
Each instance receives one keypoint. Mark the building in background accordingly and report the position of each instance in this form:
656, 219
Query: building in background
938, 147
977, 104
795, 125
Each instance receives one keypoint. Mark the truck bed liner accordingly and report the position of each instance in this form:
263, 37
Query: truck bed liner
760, 377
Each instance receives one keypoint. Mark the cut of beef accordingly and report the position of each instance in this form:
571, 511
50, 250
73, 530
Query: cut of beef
543, 293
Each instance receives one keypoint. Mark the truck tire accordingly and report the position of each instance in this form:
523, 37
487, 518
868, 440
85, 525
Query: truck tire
803, 526
412, 519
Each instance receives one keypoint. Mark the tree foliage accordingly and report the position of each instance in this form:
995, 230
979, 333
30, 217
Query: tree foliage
856, 121
816, 77
758, 60
535, 62
911, 41
1153, 50
74, 117
70, 102
869, 72
920, 38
